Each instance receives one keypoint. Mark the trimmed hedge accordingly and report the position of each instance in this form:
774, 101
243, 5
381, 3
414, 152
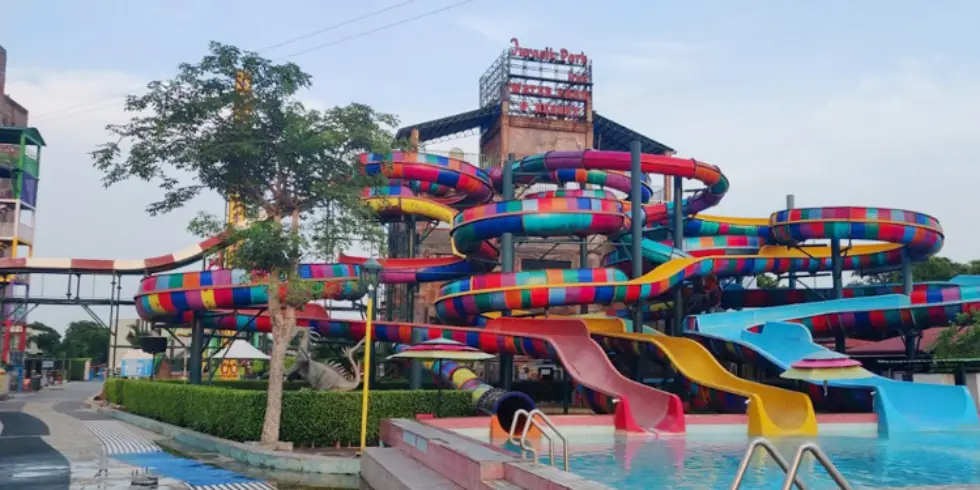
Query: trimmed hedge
76, 368
309, 418
540, 391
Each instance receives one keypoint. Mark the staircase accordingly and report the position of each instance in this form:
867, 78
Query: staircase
418, 456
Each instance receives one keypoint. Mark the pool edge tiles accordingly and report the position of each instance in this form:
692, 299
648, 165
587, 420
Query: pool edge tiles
862, 424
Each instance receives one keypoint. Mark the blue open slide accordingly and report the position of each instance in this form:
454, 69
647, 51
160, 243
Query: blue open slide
901, 406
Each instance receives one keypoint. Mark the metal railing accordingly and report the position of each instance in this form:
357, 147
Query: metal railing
791, 470
526, 447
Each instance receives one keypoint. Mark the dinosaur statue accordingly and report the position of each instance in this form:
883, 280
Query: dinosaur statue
329, 376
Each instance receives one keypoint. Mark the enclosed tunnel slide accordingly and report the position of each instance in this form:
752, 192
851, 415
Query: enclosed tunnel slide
565, 340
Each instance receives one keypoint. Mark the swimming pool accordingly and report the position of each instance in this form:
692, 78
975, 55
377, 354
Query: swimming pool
710, 461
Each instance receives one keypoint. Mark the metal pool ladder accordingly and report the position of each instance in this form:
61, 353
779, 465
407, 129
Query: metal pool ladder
790, 470
531, 419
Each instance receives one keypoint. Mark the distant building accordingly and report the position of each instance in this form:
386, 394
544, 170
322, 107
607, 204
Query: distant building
20, 153
11, 113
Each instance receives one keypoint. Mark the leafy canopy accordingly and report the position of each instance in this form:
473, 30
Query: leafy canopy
933, 269
960, 341
256, 144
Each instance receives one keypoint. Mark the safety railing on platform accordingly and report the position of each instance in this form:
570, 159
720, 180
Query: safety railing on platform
791, 470
528, 451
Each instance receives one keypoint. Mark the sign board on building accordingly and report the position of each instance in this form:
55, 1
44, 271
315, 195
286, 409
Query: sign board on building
540, 82
47, 364
137, 368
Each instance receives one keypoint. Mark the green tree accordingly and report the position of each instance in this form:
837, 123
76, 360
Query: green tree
932, 269
295, 167
961, 340
767, 281
45, 338
86, 338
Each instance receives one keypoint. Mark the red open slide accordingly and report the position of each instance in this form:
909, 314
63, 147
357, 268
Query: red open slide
640, 407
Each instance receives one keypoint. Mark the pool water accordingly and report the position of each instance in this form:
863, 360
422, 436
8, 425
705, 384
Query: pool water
709, 462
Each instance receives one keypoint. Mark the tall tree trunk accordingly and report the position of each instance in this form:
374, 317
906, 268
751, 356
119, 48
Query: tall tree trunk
280, 340
283, 319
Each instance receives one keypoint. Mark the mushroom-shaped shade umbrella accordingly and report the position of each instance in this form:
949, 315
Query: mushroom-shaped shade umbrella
439, 350
442, 349
825, 365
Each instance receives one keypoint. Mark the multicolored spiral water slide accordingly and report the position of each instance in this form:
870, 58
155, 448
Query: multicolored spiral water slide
444, 189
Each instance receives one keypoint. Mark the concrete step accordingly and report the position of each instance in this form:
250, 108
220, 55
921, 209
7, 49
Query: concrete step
393, 469
500, 485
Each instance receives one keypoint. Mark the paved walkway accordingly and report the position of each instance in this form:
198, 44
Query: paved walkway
48, 441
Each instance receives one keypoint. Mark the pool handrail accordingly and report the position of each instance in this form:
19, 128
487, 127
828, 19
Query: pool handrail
530, 421
791, 470
754, 445
824, 460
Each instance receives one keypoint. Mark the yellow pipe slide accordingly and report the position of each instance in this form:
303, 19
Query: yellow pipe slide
772, 411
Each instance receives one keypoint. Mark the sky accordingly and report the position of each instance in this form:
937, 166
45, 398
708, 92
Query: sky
869, 102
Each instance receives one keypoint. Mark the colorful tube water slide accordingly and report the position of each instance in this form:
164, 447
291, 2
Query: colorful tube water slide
771, 411
902, 232
148, 265
778, 336
448, 183
219, 302
918, 233
565, 340
486, 398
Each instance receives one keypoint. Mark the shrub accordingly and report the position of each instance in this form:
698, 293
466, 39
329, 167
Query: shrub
309, 418
539, 391
76, 368
112, 389
244, 384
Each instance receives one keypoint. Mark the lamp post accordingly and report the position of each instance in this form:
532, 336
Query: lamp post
370, 272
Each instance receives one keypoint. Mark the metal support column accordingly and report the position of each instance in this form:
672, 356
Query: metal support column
583, 261
415, 371
197, 344
836, 265
911, 344
790, 204
507, 265
372, 376
636, 204
677, 231
906, 273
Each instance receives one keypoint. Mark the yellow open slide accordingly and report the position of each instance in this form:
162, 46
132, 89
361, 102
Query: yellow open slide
772, 411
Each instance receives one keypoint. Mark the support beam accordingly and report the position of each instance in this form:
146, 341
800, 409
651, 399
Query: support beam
583, 261
907, 284
677, 231
197, 344
791, 204
636, 204
911, 337
415, 371
507, 265
836, 266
